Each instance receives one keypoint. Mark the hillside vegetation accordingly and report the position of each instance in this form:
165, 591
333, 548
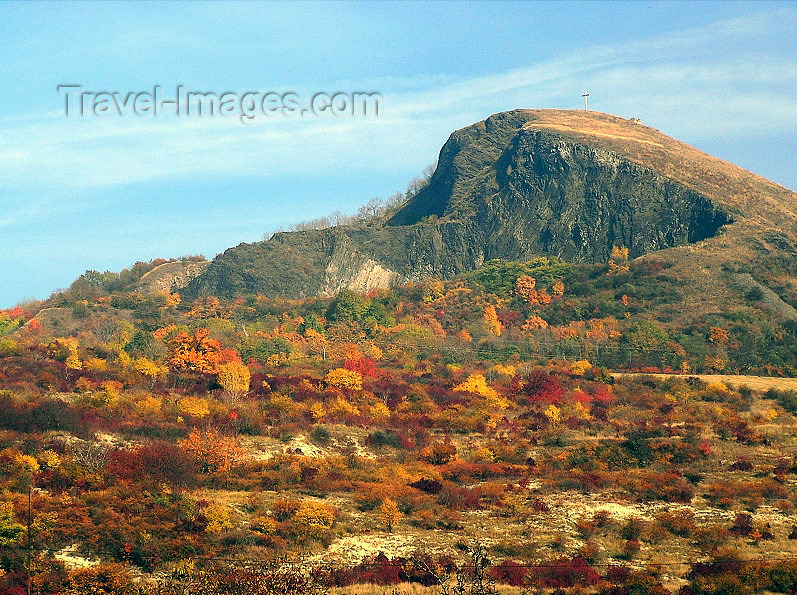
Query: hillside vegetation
396, 437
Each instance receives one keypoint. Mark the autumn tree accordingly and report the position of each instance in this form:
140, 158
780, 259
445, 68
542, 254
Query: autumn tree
524, 285
343, 378
618, 263
491, 322
219, 518
476, 383
534, 323
195, 352
718, 335
389, 513
234, 378
150, 369
212, 450
195, 407
313, 519
10, 531
526, 288
65, 348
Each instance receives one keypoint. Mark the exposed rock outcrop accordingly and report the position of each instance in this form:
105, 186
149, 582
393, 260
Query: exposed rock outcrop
521, 184
172, 276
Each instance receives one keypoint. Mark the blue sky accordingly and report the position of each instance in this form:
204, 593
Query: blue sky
102, 193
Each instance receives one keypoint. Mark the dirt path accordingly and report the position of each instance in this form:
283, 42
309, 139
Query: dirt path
759, 383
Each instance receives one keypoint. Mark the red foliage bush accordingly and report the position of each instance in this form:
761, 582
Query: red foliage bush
509, 572
157, 461
543, 388
366, 366
563, 573
667, 486
458, 498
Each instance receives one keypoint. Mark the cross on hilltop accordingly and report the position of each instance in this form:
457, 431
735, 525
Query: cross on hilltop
586, 100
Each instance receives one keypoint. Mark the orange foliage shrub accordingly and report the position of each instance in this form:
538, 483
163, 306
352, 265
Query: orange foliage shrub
533, 323
213, 451
718, 335
491, 322
194, 353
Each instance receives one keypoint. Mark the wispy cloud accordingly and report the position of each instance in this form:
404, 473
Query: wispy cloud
658, 79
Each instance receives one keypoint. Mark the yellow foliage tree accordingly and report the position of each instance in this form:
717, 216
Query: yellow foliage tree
482, 454
49, 459
343, 378
218, 516
95, 364
318, 411
581, 411
123, 358
389, 514
580, 366
27, 463
149, 405
150, 369
340, 406
558, 288
265, 525
313, 519
10, 531
619, 254
379, 411
111, 391
196, 407
618, 263
554, 414
505, 369
373, 351
476, 383
234, 377
73, 361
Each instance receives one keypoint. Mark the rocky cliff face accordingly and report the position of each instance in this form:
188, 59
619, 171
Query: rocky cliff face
517, 185
171, 276
546, 195
302, 264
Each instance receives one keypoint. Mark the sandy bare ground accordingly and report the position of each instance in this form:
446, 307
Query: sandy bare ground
759, 383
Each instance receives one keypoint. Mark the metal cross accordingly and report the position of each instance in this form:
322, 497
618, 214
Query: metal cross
586, 100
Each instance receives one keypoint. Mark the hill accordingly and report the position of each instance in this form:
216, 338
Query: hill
525, 183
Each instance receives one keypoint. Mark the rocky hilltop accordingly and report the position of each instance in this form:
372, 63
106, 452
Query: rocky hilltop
570, 184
